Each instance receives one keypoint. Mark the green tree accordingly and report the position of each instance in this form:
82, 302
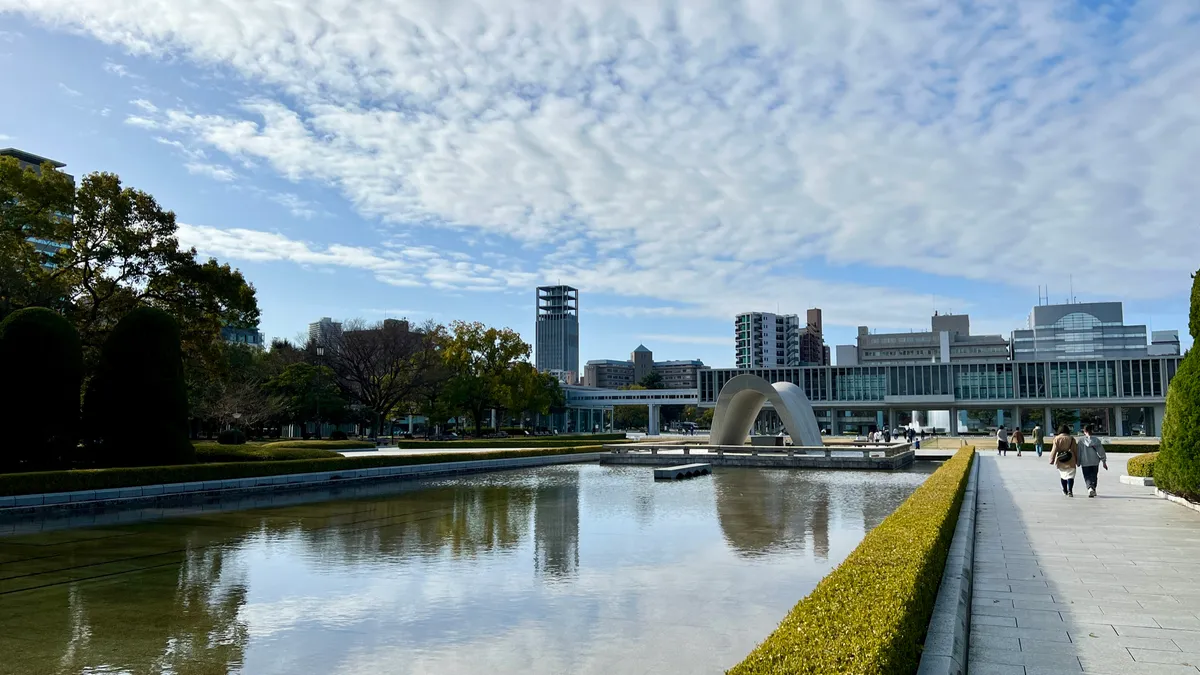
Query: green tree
32, 207
1177, 468
481, 360
136, 408
121, 253
42, 362
309, 394
527, 391
652, 380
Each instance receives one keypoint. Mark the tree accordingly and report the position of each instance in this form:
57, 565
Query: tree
121, 253
528, 391
480, 360
1177, 468
386, 365
652, 380
42, 362
136, 408
32, 206
308, 394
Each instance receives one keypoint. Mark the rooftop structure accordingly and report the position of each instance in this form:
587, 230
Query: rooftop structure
949, 339
1092, 330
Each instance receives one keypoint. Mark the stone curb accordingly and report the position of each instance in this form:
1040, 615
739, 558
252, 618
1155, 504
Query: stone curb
945, 651
1178, 500
1143, 481
90, 500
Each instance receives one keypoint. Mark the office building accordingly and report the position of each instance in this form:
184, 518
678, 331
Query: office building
766, 340
27, 160
1092, 330
243, 336
949, 339
1164, 343
614, 374
556, 340
324, 332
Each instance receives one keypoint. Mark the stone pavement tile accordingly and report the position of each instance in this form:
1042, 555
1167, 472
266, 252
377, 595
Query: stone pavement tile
998, 642
1104, 666
1066, 663
1123, 641
984, 620
1173, 658
1048, 635
1074, 649
1009, 595
984, 668
1177, 622
1165, 633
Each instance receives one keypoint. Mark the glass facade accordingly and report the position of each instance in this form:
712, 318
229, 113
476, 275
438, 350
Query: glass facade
1029, 381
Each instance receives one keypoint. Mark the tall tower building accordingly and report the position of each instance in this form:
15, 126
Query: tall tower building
325, 331
556, 343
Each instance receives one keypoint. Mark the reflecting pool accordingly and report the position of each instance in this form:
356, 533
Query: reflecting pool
564, 569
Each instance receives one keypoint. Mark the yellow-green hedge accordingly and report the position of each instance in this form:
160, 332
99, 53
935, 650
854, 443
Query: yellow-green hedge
869, 615
1142, 465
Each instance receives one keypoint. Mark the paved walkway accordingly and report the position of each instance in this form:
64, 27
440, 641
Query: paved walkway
1105, 585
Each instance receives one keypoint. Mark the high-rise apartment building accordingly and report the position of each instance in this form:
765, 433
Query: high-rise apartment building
28, 160
325, 331
766, 340
556, 342
1091, 330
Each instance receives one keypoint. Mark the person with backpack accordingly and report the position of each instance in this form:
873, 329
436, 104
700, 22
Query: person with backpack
1038, 439
1001, 442
1018, 439
1064, 455
1091, 456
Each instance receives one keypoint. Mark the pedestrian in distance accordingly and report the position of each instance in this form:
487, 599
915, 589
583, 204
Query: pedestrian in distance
1091, 456
1018, 440
1039, 439
1064, 455
1001, 442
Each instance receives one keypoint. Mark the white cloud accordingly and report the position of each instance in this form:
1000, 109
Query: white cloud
706, 152
68, 91
295, 204
214, 171
118, 70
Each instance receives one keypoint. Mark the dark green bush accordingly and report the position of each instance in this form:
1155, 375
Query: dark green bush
1142, 465
139, 385
869, 615
1177, 468
42, 362
231, 437
520, 442
101, 479
324, 445
337, 435
1131, 447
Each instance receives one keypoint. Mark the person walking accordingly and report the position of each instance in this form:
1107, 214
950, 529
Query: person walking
1018, 440
1038, 439
1064, 455
1001, 442
1091, 456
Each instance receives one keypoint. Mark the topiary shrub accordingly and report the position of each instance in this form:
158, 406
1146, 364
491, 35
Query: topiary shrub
1177, 468
1142, 465
139, 385
231, 437
337, 435
42, 362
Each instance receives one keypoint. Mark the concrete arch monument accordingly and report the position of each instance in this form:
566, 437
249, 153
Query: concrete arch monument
743, 397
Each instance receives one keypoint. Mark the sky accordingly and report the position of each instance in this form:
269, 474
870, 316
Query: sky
678, 162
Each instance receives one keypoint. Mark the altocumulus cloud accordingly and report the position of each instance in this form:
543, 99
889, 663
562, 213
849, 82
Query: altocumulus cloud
697, 145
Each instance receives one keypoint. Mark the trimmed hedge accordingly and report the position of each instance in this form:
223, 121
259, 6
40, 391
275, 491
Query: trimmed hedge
521, 442
102, 479
1130, 447
138, 392
231, 437
869, 615
1142, 465
323, 445
42, 361
1177, 469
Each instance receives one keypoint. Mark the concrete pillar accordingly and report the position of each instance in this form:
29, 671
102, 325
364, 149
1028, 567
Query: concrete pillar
410, 424
833, 423
891, 419
493, 418
1048, 422
1119, 422
1160, 414
1017, 421
652, 428
953, 422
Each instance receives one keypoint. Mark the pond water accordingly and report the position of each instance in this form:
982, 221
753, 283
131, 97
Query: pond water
563, 569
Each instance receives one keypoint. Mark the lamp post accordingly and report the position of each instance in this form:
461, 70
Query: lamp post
320, 358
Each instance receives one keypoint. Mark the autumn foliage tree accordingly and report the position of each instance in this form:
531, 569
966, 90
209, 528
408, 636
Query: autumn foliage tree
482, 363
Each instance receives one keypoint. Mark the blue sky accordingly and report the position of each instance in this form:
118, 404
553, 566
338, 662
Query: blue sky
678, 162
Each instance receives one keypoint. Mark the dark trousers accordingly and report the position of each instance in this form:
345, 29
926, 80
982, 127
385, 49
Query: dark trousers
1090, 473
1068, 484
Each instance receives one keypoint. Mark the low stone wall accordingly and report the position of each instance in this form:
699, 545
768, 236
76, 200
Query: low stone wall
172, 494
900, 460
